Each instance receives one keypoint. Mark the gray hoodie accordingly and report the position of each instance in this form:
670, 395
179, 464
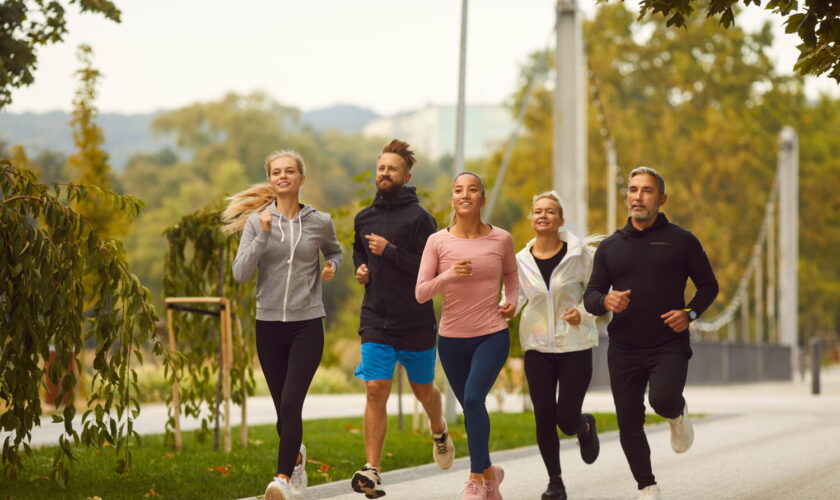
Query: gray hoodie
289, 278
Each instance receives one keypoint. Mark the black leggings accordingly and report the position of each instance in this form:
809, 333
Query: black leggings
289, 354
557, 383
665, 368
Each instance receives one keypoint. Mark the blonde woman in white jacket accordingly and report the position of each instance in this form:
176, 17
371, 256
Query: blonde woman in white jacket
557, 335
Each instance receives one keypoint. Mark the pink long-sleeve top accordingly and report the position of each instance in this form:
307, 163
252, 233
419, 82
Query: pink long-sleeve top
470, 303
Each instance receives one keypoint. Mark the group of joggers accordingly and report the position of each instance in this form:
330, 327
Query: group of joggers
558, 282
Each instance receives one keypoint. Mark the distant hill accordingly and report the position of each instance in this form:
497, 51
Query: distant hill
126, 135
342, 117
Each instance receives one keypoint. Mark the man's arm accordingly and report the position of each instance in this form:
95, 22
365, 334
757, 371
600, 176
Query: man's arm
701, 274
359, 246
599, 284
408, 261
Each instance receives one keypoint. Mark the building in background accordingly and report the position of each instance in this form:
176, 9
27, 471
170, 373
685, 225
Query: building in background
431, 130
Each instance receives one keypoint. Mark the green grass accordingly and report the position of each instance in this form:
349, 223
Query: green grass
336, 450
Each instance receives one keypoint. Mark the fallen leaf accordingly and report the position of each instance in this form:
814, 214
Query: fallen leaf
321, 465
220, 469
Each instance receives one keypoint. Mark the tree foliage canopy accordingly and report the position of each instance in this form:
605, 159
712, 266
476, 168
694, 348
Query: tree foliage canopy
63, 285
817, 22
26, 25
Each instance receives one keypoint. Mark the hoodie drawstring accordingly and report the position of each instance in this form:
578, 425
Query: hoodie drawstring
293, 243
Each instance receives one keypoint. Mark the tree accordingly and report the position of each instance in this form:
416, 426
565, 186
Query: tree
817, 23
704, 107
28, 25
48, 256
90, 163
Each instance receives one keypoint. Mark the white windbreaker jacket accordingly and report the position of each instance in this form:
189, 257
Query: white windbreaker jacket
541, 326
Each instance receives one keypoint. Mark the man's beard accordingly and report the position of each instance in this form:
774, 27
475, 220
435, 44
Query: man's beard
389, 191
643, 216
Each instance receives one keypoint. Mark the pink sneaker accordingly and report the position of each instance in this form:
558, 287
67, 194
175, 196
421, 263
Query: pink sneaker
474, 491
491, 486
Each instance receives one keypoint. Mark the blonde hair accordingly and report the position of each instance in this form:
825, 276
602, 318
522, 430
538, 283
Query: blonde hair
244, 203
301, 165
550, 195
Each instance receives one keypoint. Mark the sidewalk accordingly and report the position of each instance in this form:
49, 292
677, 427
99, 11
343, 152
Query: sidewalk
757, 441
762, 440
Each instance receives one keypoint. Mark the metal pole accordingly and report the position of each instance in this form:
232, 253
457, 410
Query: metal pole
789, 242
759, 301
772, 334
816, 357
462, 77
612, 173
569, 164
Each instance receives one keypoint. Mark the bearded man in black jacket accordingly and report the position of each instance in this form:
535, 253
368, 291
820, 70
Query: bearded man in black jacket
394, 327
639, 274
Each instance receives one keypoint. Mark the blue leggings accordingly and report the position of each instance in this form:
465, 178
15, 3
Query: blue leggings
471, 366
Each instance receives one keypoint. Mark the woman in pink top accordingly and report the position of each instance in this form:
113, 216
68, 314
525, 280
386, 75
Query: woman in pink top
466, 262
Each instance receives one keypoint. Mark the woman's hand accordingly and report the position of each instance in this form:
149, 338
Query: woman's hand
328, 273
572, 316
507, 309
462, 268
265, 220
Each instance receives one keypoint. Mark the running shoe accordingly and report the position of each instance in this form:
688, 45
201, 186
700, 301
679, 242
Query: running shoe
682, 432
474, 491
278, 489
555, 490
589, 444
298, 481
443, 450
650, 493
491, 486
366, 480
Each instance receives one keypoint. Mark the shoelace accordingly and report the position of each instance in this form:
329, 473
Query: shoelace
471, 487
441, 444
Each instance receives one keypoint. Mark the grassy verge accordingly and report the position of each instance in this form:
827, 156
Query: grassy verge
336, 450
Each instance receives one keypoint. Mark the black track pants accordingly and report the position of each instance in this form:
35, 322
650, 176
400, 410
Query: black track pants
557, 383
665, 368
289, 354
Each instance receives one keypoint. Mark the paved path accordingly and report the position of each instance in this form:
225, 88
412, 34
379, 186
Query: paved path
758, 441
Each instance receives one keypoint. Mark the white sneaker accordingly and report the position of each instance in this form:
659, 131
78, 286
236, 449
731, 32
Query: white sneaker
278, 489
649, 493
443, 450
682, 432
298, 481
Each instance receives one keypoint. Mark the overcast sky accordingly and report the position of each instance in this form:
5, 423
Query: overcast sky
386, 55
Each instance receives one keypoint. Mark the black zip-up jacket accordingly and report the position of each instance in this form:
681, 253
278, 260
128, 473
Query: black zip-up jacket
389, 305
655, 264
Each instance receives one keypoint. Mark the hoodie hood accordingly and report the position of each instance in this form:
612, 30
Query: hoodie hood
628, 231
406, 196
305, 210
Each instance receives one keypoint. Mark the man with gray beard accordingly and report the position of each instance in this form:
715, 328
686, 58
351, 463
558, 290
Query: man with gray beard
639, 274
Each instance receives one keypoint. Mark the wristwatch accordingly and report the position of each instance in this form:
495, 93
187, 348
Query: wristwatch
692, 314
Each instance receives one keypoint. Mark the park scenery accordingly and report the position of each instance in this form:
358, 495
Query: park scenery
129, 365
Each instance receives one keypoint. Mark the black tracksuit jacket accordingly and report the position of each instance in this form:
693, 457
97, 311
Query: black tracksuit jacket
655, 264
389, 307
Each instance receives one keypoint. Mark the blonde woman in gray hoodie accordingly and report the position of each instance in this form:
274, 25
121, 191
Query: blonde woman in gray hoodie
281, 240
557, 335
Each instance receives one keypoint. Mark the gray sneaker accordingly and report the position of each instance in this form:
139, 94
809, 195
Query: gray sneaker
298, 481
366, 480
278, 489
650, 493
443, 450
682, 432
